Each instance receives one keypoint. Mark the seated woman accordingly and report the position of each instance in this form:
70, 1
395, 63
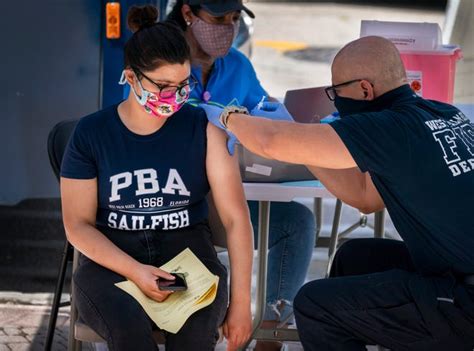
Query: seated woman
134, 181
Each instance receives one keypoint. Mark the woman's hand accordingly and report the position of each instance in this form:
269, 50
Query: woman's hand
237, 326
146, 278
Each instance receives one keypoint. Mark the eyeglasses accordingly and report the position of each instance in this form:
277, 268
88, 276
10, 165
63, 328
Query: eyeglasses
168, 91
331, 91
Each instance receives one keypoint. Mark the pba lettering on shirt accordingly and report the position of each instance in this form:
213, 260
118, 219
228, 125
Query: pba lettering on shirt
455, 137
138, 201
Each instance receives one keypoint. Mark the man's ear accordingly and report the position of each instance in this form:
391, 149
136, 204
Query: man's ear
368, 90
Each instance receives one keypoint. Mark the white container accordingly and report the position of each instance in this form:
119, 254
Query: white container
430, 66
406, 36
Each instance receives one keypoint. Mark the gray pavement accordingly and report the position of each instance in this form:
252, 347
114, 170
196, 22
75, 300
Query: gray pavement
23, 327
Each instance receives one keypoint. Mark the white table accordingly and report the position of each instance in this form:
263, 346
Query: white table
265, 193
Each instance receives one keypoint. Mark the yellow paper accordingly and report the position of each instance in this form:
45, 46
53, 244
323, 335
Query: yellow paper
171, 314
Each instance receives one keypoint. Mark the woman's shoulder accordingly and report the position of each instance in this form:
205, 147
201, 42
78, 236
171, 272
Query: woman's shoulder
195, 112
96, 121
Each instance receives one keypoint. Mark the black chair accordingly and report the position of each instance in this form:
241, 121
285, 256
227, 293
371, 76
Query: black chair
57, 141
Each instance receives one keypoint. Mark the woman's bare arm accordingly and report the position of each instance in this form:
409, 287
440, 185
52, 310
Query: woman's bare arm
226, 186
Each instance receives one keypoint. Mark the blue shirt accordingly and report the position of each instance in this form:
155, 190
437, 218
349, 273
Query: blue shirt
156, 181
232, 81
420, 156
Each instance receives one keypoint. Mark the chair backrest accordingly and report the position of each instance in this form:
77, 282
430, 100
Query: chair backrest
57, 141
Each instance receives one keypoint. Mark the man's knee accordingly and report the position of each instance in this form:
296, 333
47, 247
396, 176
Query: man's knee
312, 307
314, 296
366, 256
301, 299
354, 248
351, 257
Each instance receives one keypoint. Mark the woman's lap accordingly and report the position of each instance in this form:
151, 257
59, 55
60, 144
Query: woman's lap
115, 315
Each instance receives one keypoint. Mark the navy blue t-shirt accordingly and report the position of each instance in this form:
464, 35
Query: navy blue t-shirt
157, 181
420, 156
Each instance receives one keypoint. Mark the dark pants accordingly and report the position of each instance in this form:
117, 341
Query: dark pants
120, 320
375, 297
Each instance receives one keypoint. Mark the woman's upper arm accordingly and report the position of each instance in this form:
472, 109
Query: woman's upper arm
79, 202
224, 178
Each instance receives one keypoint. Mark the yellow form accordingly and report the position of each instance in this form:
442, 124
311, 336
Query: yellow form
171, 314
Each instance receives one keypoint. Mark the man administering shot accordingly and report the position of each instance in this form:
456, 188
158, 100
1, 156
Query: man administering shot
391, 149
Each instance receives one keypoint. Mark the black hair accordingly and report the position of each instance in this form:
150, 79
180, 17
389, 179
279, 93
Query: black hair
152, 43
176, 16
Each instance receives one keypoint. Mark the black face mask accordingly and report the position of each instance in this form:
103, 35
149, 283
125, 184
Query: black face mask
348, 106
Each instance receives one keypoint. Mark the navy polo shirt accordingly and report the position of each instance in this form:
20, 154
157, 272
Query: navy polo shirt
420, 156
155, 181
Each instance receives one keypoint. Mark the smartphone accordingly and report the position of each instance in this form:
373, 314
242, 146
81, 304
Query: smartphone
178, 284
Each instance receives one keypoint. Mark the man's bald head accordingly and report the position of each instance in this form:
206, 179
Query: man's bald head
373, 58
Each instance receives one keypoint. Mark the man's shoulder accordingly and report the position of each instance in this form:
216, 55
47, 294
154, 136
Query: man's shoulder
376, 116
442, 107
423, 109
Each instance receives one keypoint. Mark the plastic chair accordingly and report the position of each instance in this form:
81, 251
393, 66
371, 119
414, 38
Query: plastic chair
78, 331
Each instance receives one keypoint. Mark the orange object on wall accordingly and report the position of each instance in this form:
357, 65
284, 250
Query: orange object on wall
112, 20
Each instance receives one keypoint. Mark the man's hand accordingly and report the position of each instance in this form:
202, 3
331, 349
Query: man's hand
237, 326
213, 114
146, 278
272, 110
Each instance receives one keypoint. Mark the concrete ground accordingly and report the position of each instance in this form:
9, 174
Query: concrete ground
293, 48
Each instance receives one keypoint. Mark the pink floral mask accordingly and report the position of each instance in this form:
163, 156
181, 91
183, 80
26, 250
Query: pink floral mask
158, 106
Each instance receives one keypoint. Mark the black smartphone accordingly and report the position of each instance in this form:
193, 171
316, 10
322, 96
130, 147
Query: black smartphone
178, 284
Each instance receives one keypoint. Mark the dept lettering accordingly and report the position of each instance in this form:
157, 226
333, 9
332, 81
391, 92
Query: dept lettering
454, 135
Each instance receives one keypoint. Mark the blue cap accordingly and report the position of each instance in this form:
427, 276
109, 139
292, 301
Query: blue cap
220, 7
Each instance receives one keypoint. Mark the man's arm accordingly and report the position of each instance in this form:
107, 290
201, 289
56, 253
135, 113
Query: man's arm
318, 147
310, 144
351, 186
